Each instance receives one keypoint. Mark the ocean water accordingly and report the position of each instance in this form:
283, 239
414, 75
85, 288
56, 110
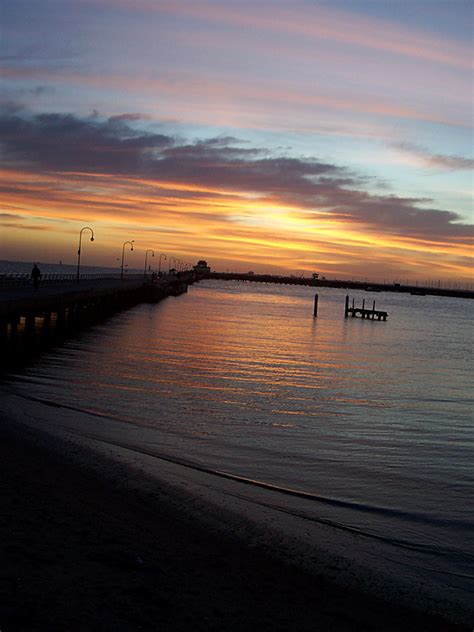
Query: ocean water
364, 426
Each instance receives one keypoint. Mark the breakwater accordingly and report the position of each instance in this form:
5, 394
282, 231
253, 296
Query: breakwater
34, 320
342, 284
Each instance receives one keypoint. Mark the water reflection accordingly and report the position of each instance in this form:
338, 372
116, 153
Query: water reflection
241, 377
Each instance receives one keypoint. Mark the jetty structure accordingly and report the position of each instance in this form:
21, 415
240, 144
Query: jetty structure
363, 312
34, 320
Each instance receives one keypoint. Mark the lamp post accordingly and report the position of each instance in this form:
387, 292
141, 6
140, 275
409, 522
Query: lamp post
146, 255
79, 249
159, 263
123, 255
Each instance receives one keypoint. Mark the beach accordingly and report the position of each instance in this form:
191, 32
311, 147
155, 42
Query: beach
93, 542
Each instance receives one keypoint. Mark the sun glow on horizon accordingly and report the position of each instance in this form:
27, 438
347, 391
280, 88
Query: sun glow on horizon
260, 233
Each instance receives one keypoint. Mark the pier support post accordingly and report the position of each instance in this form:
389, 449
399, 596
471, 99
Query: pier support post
60, 319
29, 325
14, 329
315, 311
46, 327
3, 333
346, 309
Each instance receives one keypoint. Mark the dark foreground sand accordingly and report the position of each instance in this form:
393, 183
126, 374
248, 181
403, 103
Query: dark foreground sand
80, 553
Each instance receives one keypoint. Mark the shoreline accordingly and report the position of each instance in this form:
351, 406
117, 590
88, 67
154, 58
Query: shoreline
91, 543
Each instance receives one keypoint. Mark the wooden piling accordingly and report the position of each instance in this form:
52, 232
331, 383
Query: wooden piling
315, 312
346, 309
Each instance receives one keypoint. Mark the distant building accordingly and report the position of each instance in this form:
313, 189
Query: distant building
250, 272
201, 267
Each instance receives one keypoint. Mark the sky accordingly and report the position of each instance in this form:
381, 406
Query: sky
281, 137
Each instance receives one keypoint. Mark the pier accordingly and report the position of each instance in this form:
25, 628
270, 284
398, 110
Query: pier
34, 320
363, 312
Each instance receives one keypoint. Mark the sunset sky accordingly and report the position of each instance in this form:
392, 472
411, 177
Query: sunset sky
283, 137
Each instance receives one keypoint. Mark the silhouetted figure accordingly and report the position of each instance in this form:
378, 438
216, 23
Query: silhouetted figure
36, 276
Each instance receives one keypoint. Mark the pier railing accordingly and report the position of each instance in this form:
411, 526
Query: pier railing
14, 279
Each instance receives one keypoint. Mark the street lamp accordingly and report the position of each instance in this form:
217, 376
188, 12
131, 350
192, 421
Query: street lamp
123, 255
159, 263
146, 255
79, 249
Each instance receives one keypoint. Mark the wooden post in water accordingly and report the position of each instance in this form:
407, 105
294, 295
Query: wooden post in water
346, 309
315, 312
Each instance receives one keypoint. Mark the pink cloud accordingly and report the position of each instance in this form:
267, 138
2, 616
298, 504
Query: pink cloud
344, 27
205, 98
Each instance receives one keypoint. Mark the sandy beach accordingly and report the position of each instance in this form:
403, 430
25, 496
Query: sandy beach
91, 543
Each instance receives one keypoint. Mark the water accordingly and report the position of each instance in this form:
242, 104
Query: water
371, 421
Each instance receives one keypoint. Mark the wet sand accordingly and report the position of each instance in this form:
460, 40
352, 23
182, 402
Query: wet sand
92, 548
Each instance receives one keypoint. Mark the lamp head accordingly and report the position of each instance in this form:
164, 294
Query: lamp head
92, 238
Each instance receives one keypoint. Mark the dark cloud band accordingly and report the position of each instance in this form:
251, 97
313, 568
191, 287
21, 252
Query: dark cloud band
122, 145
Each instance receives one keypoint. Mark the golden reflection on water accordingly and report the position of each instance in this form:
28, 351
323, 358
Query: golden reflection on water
242, 378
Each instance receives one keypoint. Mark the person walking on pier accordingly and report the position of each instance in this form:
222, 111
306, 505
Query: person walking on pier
36, 276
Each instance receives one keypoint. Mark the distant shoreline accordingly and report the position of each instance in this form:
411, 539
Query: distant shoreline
21, 267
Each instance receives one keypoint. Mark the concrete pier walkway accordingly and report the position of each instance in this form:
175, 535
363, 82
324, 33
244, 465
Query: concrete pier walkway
14, 294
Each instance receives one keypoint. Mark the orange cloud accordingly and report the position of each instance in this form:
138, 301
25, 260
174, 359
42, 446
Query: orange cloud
214, 198
57, 206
